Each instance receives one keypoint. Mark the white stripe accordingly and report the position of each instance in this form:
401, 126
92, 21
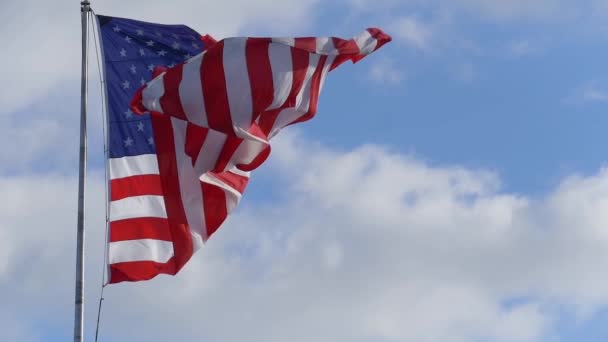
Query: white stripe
282, 73
189, 184
153, 92
140, 250
289, 115
138, 206
240, 172
328, 62
238, 88
325, 46
366, 43
145, 164
197, 240
303, 98
191, 92
210, 151
285, 40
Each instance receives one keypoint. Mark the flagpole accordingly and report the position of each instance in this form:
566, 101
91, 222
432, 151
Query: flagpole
82, 165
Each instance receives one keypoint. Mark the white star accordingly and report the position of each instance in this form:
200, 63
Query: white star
194, 45
126, 85
142, 81
133, 69
128, 113
150, 141
162, 52
192, 37
150, 43
142, 52
140, 32
128, 142
116, 29
187, 56
123, 53
175, 36
128, 39
175, 45
159, 34
151, 67
140, 126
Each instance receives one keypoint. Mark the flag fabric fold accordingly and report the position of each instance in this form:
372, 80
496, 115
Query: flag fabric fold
212, 117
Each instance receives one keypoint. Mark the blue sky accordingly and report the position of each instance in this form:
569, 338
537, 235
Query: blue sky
452, 186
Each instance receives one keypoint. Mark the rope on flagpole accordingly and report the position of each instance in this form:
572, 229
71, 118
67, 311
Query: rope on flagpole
96, 38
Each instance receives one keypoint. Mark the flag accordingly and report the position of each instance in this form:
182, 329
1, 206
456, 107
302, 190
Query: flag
212, 118
213, 115
141, 241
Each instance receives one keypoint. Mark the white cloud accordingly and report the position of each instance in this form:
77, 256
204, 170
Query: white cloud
594, 93
590, 92
412, 31
219, 19
41, 50
515, 9
385, 71
362, 245
501, 10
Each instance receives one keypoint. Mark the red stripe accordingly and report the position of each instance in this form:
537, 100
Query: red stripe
346, 47
306, 43
237, 182
178, 224
170, 101
208, 40
300, 62
214, 204
381, 37
315, 83
260, 75
268, 119
139, 270
135, 186
230, 146
195, 137
214, 90
159, 69
140, 228
136, 104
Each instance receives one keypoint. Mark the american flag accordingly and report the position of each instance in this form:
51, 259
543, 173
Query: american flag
140, 239
212, 116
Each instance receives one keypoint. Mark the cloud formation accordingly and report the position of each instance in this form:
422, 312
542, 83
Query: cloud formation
412, 31
362, 245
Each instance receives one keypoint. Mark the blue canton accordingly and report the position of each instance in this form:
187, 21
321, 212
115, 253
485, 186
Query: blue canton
132, 49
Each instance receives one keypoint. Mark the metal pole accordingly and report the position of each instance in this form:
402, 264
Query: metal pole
82, 166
